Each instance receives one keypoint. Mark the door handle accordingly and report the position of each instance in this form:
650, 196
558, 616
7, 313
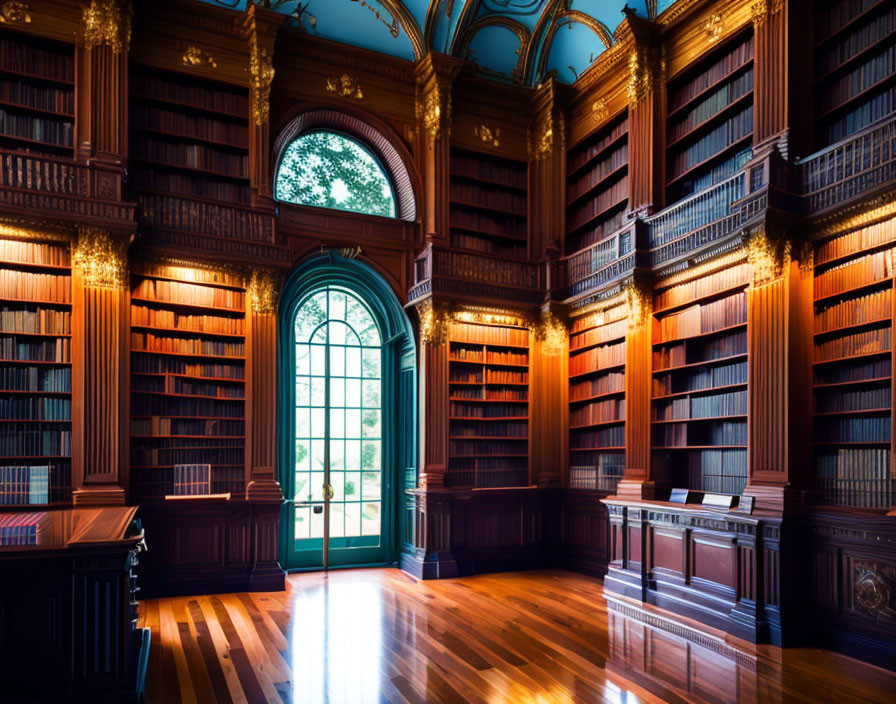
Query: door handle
328, 491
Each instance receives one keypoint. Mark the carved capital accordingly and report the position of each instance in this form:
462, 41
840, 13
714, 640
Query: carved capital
761, 10
260, 27
646, 68
434, 322
14, 11
101, 256
264, 291
638, 297
108, 23
768, 255
550, 330
434, 111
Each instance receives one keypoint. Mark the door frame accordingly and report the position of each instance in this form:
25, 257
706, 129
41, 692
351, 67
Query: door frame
332, 269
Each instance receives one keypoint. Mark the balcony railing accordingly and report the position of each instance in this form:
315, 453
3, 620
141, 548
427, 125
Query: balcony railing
190, 215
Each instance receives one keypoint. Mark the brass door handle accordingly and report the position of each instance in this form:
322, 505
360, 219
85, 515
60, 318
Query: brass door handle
328, 491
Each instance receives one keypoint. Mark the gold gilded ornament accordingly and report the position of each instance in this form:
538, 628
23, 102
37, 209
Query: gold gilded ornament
487, 134
194, 56
261, 69
262, 291
14, 11
345, 86
101, 256
108, 22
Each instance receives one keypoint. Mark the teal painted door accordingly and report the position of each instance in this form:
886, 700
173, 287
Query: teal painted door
340, 500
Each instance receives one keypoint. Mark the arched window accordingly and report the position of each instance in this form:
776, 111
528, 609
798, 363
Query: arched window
329, 170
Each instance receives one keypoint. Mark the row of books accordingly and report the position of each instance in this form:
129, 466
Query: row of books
146, 405
856, 241
690, 466
465, 376
609, 383
598, 412
612, 436
474, 429
855, 311
161, 318
717, 433
193, 156
700, 350
41, 98
845, 87
25, 484
488, 224
614, 195
54, 350
15, 442
35, 320
156, 364
598, 318
737, 275
189, 294
600, 255
856, 41
166, 457
37, 129
714, 103
22, 57
460, 448
158, 425
487, 478
721, 484
190, 126
486, 245
177, 445
475, 166
730, 61
732, 403
876, 107
856, 477
732, 130
21, 378
597, 173
491, 410
195, 95
31, 286
703, 318
488, 463
859, 399
854, 273
17, 529
597, 358
467, 354
603, 478
490, 198
706, 177
36, 408
493, 376
515, 358
601, 140
200, 186
700, 379
192, 479
598, 335
866, 429
186, 387
858, 343
860, 371
712, 206
860, 493
489, 394
29, 252
830, 17
495, 335
147, 342
158, 483
603, 228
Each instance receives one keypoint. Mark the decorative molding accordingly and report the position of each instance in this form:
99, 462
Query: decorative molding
872, 589
713, 27
195, 56
101, 256
761, 10
551, 332
638, 298
599, 110
549, 136
642, 74
345, 86
767, 256
16, 232
108, 22
488, 135
434, 322
435, 112
261, 68
263, 291
14, 11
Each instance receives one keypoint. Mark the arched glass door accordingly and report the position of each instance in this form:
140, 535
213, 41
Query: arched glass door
340, 498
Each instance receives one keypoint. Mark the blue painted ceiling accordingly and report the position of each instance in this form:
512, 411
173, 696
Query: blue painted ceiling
519, 41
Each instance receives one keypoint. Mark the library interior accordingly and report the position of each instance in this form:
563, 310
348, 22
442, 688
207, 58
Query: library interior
495, 351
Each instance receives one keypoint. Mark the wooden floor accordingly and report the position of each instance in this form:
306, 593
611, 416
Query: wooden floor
380, 636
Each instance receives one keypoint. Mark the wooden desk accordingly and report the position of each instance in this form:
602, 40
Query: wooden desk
68, 607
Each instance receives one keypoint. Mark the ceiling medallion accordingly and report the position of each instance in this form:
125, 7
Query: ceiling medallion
487, 134
713, 27
14, 11
194, 56
345, 86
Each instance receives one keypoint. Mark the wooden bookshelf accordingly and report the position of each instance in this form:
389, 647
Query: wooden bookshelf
854, 59
188, 351
699, 387
37, 95
35, 374
488, 426
710, 119
189, 137
597, 399
597, 185
488, 204
853, 384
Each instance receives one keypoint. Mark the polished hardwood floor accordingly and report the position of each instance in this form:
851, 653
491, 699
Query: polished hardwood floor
358, 636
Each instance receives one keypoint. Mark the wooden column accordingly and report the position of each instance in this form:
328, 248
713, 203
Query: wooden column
770, 67
433, 379
100, 321
435, 74
547, 173
638, 480
260, 26
549, 400
779, 342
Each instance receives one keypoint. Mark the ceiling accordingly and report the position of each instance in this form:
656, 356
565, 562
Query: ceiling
519, 41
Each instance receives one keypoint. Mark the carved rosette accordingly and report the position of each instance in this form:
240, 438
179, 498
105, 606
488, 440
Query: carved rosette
261, 68
768, 256
263, 291
108, 23
101, 256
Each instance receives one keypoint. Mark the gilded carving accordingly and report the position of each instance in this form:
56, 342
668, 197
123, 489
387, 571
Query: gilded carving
488, 135
261, 68
767, 256
761, 10
345, 86
551, 332
434, 323
14, 11
263, 291
101, 256
195, 56
599, 110
640, 75
549, 136
108, 22
435, 112
637, 297
713, 27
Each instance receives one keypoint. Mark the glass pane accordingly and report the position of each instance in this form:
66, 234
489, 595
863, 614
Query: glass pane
352, 486
353, 519
371, 393
370, 488
303, 423
337, 361
337, 392
353, 423
352, 454
370, 518
353, 361
303, 486
370, 454
353, 392
318, 391
317, 455
337, 481
303, 522
318, 360
337, 458
318, 422
372, 363
303, 359
303, 391
337, 520
317, 524
371, 424
337, 423
303, 456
